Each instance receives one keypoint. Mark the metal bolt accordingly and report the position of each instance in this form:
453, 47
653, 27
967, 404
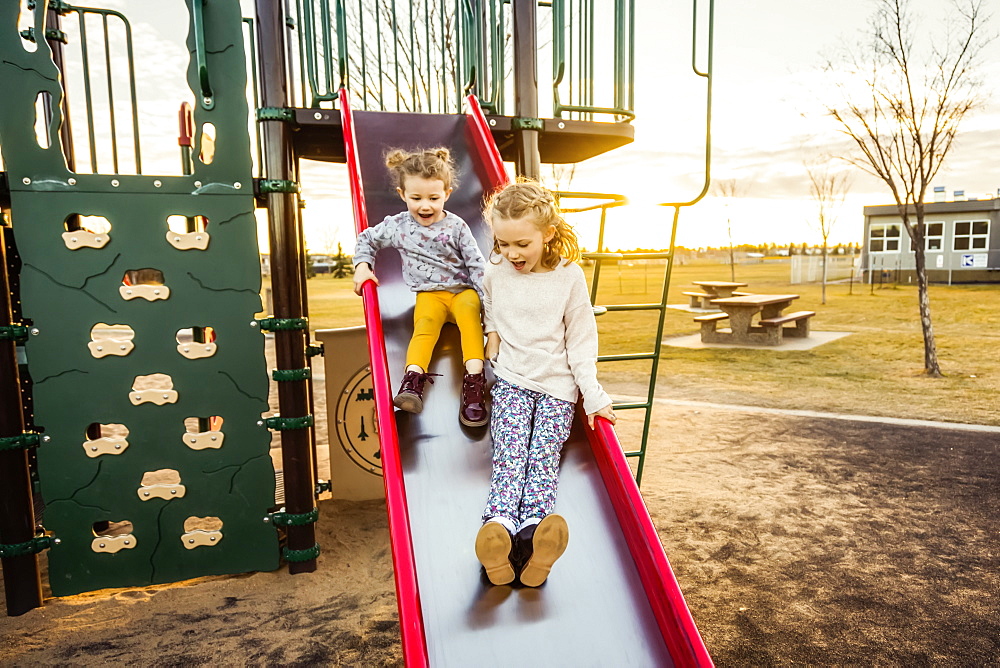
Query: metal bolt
207, 100
177, 239
166, 396
197, 184
562, 126
46, 439
71, 181
93, 449
267, 520
173, 491
128, 292
57, 541
121, 347
73, 239
145, 493
212, 538
208, 349
253, 323
26, 181
193, 440
156, 292
34, 331
493, 121
115, 183
101, 545
157, 183
190, 540
187, 350
317, 116
97, 239
198, 238
215, 438
100, 348
260, 423
118, 446
237, 185
128, 542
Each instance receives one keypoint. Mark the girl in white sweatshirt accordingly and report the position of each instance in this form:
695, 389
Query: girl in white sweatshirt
542, 341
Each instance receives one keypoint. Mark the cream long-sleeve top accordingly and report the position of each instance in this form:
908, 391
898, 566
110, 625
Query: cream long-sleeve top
548, 334
439, 256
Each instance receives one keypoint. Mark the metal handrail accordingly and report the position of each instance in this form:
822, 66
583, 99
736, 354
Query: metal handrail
611, 201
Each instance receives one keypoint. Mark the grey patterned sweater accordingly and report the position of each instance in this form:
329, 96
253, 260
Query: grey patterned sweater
441, 256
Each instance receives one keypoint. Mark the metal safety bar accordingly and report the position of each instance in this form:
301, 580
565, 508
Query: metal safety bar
604, 203
86, 74
426, 55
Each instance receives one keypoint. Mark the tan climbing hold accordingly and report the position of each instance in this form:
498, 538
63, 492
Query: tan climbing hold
196, 351
203, 440
188, 240
194, 539
112, 544
156, 388
148, 292
83, 239
161, 484
105, 445
105, 347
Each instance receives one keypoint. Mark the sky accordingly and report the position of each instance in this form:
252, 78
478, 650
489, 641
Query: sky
768, 118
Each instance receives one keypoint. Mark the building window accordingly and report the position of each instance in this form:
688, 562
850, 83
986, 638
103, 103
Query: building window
884, 238
934, 236
971, 234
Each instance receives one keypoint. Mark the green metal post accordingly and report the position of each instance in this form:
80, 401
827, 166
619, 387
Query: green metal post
21, 576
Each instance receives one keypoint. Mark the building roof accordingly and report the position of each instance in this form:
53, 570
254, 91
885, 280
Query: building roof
938, 207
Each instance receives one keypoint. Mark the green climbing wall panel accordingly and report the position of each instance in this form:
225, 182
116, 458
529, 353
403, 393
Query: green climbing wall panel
183, 498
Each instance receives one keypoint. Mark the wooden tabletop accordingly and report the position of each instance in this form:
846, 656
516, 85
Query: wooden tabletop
755, 300
719, 284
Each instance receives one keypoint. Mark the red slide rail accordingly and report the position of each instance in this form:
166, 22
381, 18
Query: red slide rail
411, 622
672, 615
686, 647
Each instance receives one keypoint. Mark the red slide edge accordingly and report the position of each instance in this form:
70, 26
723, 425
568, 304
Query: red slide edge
411, 622
672, 615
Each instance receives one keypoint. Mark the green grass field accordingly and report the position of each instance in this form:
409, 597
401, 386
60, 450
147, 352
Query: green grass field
877, 370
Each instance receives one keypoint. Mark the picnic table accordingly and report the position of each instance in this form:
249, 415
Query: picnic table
710, 290
769, 329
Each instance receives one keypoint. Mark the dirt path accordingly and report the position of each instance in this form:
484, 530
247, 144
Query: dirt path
797, 541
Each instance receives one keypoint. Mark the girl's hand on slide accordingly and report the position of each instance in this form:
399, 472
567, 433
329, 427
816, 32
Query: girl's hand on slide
363, 273
607, 413
492, 346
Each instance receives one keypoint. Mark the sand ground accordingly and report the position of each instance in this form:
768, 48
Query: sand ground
797, 541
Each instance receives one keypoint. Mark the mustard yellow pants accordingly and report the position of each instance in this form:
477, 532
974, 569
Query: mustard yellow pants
432, 310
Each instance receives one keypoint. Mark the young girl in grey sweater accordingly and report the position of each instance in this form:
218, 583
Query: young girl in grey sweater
542, 342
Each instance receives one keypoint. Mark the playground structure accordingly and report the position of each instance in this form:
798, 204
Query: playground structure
172, 281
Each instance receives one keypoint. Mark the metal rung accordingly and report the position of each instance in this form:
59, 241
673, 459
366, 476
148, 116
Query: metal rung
646, 256
635, 307
621, 358
626, 407
634, 453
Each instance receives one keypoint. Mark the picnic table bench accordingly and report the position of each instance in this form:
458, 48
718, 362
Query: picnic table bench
710, 290
740, 311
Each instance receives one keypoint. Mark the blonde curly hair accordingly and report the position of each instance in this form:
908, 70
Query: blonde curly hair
431, 163
527, 199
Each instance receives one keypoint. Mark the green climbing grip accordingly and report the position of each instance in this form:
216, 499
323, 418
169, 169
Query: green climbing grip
28, 439
282, 324
276, 114
312, 349
33, 546
283, 519
17, 333
285, 424
291, 374
277, 186
301, 555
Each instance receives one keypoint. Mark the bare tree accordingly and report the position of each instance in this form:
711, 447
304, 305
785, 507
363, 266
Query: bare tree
828, 190
902, 105
729, 189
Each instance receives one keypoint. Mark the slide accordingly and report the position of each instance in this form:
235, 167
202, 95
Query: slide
611, 600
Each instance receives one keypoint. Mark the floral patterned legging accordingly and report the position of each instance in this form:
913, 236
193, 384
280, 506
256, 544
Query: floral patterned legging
529, 429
